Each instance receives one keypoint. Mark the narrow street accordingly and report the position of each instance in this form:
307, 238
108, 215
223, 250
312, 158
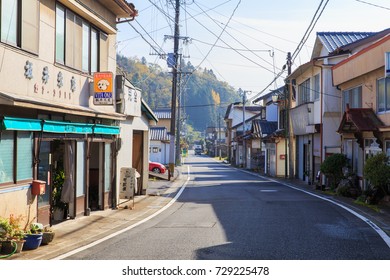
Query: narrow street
225, 213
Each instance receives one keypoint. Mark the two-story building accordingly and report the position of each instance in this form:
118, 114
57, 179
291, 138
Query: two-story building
315, 103
237, 119
364, 83
59, 122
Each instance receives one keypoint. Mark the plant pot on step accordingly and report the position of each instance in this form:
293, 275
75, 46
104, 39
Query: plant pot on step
33, 241
47, 237
7, 247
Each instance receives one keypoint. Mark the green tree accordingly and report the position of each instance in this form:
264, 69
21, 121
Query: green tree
332, 167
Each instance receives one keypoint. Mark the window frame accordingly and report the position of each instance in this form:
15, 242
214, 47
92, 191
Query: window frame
352, 93
25, 27
304, 94
84, 57
16, 164
385, 95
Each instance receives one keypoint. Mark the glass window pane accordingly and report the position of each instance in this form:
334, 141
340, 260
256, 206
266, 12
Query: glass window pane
346, 99
316, 87
60, 34
381, 95
70, 38
6, 157
94, 50
9, 17
24, 155
85, 65
387, 93
30, 25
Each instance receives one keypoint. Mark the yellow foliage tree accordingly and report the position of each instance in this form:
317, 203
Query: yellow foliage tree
216, 97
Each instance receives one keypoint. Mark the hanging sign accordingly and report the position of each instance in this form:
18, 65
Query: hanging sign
102, 87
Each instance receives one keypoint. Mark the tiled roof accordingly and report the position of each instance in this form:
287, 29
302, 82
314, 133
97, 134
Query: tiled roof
334, 40
159, 134
261, 128
359, 120
163, 113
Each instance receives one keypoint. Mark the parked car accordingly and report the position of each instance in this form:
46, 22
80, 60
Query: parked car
157, 167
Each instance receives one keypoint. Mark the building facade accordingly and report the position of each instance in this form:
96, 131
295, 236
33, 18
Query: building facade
59, 123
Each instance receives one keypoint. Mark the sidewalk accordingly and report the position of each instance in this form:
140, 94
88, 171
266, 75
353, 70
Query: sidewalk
82, 231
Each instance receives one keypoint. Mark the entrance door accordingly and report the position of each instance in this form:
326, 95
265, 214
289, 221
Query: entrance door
95, 178
138, 156
44, 174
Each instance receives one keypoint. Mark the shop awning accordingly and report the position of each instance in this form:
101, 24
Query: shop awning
106, 129
10, 123
67, 127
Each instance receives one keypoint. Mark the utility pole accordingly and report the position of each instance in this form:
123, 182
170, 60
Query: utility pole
174, 88
244, 127
287, 144
178, 129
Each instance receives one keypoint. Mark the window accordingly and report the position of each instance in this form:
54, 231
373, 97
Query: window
20, 24
352, 97
383, 95
282, 118
60, 34
304, 92
16, 150
7, 157
316, 86
78, 43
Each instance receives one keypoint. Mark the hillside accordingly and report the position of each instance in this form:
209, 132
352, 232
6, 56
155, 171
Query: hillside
203, 99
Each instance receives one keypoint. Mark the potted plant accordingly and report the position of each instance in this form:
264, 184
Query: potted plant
11, 234
58, 206
33, 237
48, 235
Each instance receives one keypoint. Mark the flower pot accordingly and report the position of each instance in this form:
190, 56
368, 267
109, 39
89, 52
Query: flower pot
7, 247
33, 241
47, 237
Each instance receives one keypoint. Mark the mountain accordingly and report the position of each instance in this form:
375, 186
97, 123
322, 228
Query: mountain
203, 97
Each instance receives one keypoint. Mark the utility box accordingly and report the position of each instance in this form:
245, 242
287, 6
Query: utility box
38, 187
128, 182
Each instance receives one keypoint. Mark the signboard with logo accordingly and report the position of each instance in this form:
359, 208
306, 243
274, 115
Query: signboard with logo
103, 88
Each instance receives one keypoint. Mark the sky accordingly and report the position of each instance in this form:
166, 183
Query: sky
244, 42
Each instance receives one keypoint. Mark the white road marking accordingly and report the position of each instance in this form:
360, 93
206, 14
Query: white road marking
378, 230
78, 250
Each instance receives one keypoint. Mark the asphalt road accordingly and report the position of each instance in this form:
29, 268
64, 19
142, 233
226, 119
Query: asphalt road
225, 213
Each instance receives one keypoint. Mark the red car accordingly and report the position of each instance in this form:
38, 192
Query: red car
157, 167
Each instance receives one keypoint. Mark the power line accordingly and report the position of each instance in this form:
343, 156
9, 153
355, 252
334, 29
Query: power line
229, 48
223, 30
300, 45
234, 37
371, 4
309, 30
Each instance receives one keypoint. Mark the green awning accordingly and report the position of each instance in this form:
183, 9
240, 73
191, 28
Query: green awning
67, 127
106, 129
10, 123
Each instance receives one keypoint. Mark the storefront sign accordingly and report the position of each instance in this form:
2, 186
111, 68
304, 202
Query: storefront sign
102, 85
